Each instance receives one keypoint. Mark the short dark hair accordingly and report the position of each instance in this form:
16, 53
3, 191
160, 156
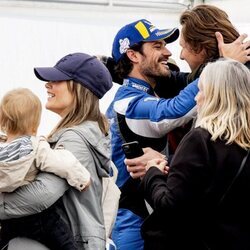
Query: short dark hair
125, 66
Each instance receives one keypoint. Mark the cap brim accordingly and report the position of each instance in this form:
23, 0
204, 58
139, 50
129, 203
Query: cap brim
172, 36
51, 74
168, 35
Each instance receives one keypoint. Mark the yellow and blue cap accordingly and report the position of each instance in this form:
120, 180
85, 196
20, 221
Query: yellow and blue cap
140, 31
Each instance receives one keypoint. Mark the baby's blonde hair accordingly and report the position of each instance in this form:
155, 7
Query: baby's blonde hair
20, 111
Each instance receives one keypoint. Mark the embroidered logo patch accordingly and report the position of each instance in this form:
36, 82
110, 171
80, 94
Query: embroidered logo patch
124, 45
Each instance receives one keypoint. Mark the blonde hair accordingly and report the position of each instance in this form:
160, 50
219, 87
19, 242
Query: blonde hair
20, 112
225, 111
85, 108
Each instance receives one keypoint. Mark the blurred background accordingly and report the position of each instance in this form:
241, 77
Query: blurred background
38, 33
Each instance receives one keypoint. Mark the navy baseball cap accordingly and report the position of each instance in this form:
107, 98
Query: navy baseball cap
82, 68
140, 31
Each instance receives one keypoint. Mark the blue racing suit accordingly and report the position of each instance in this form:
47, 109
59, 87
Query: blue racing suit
137, 114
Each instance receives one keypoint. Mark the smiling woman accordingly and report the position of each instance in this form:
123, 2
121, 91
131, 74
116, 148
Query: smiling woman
74, 94
59, 98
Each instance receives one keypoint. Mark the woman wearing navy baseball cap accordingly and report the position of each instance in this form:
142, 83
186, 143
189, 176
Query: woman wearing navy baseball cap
74, 86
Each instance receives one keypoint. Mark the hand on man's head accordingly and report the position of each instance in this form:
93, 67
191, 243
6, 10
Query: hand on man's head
237, 50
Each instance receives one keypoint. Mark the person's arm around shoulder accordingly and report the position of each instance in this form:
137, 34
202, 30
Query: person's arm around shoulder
162, 115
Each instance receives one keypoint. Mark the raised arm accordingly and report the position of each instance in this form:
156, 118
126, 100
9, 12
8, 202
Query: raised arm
154, 117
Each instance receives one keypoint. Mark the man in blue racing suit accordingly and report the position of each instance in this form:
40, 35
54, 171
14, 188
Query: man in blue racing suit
136, 113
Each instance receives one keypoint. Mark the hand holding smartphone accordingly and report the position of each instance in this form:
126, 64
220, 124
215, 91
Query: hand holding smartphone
132, 149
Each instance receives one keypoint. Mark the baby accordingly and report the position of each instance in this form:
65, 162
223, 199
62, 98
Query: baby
22, 156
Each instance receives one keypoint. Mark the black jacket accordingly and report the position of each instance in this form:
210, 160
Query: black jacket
186, 212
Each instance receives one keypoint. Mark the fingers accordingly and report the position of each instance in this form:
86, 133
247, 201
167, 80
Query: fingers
139, 171
135, 168
136, 175
237, 50
219, 38
220, 41
247, 46
162, 163
136, 172
154, 162
241, 38
149, 154
244, 53
158, 161
166, 170
134, 162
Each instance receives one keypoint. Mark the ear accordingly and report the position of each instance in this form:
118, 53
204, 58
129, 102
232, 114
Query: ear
133, 55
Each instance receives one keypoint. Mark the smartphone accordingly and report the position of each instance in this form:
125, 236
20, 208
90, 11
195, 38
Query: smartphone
132, 149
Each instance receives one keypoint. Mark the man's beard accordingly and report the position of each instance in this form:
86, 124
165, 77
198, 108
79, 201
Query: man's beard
154, 72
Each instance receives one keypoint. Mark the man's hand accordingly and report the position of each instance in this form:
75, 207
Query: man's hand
137, 166
237, 50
